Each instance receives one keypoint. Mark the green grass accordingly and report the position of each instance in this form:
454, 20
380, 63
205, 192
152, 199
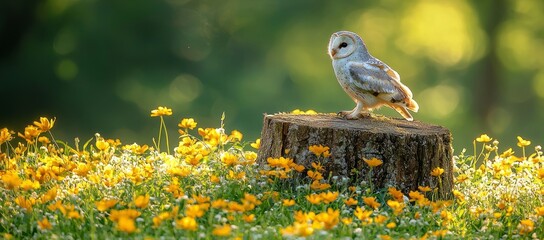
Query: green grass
210, 186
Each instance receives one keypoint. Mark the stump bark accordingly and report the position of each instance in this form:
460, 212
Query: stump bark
409, 150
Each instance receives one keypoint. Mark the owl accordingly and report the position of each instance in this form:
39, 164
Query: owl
367, 80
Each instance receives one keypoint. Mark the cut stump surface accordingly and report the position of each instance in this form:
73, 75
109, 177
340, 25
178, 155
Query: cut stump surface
409, 150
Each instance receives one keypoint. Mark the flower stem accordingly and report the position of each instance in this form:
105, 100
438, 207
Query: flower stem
163, 125
159, 138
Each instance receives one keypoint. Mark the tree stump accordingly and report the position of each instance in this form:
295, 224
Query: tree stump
409, 150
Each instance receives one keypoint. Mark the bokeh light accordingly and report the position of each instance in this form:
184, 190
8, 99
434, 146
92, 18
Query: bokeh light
473, 66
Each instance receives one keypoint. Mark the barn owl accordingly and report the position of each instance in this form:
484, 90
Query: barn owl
367, 80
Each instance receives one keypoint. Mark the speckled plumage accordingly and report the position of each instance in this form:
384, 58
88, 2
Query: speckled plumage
367, 80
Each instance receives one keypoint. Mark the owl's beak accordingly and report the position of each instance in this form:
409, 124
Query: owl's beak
333, 52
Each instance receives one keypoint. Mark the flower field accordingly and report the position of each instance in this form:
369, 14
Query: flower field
209, 186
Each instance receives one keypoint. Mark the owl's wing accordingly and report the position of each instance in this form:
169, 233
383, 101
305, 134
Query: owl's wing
377, 78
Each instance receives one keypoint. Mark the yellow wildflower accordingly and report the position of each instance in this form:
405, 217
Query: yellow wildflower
371, 202
30, 133
373, 162
249, 218
318, 150
105, 204
82, 169
250, 157
540, 173
314, 198
74, 215
229, 159
329, 196
384, 237
5, 135
126, 224
361, 214
461, 178
194, 160
415, 196
44, 224
256, 144
484, 138
440, 233
351, 202
302, 217
215, 179
437, 171
424, 188
212, 136
45, 124
347, 221
329, 219
236, 207
540, 211
316, 185
157, 220
446, 217
251, 199
317, 166
396, 206
459, 195
141, 201
298, 168
179, 171
102, 145
49, 195
507, 153
28, 184
219, 203
522, 142
222, 231
526, 226
314, 175
44, 140
161, 111
235, 175
25, 203
396, 194
11, 180
135, 148
288, 202
114, 143
300, 229
501, 205
302, 112
235, 136
194, 211
115, 215
187, 123
187, 223
391, 225
279, 162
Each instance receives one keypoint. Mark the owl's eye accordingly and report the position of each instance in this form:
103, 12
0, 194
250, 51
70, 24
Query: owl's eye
343, 45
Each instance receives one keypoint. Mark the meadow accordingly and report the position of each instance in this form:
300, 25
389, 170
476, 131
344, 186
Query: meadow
208, 185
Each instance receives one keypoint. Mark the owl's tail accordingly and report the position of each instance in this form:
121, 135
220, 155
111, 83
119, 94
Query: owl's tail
402, 108
412, 105
403, 111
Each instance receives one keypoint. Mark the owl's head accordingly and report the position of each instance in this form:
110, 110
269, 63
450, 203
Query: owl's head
344, 44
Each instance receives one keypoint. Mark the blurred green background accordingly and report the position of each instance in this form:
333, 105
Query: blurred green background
103, 65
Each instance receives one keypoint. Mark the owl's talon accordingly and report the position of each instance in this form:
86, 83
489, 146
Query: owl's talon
343, 113
357, 115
